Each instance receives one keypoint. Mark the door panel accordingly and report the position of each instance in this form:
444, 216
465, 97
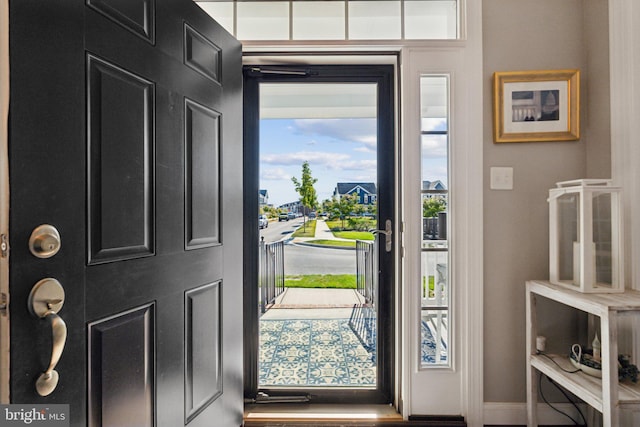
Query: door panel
202, 129
123, 148
120, 129
119, 391
135, 15
203, 382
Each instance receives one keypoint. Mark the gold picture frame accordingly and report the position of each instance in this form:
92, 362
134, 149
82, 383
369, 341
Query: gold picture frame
536, 106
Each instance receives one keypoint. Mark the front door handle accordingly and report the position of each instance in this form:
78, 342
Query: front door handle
45, 300
388, 235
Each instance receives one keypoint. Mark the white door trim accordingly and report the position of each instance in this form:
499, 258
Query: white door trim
624, 37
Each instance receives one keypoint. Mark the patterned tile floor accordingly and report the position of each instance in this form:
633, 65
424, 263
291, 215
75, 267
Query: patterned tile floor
322, 352
428, 347
313, 352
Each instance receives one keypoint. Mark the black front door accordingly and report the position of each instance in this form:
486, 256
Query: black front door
125, 135
381, 78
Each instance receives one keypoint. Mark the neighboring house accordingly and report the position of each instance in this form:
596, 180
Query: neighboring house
433, 185
263, 198
292, 206
366, 191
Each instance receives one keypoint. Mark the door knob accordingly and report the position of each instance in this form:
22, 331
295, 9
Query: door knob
45, 300
388, 232
44, 241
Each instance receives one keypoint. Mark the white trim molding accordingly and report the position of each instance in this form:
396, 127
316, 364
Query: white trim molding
624, 36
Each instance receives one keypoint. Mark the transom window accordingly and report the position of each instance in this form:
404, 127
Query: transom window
324, 20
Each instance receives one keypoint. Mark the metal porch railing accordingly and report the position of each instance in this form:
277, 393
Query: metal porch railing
366, 272
363, 320
271, 273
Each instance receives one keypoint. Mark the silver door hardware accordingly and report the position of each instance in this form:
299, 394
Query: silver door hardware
388, 232
45, 301
44, 241
4, 245
3, 304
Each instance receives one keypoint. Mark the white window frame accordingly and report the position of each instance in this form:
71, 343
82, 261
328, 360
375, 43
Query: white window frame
459, 22
456, 389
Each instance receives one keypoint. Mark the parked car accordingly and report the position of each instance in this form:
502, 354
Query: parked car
283, 217
263, 221
312, 215
291, 215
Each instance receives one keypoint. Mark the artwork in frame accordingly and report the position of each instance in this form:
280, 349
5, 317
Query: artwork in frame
536, 106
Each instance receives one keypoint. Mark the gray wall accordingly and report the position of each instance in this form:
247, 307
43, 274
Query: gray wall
535, 35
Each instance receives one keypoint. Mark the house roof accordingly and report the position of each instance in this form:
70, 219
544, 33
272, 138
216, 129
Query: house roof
347, 187
263, 193
433, 185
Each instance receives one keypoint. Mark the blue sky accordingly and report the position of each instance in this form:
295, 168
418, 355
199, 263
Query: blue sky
338, 150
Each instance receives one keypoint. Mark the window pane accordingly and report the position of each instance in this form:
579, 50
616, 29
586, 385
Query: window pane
318, 20
428, 19
435, 337
434, 101
221, 11
434, 218
434, 159
378, 20
263, 20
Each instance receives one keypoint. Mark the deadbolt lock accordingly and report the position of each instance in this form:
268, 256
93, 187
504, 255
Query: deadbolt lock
44, 241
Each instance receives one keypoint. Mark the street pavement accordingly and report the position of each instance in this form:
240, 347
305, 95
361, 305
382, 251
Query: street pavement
302, 258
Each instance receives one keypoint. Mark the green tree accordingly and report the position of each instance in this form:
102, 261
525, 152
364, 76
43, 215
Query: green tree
304, 187
327, 206
359, 209
373, 208
345, 205
432, 206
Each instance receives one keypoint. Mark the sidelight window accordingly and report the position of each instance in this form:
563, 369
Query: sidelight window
435, 325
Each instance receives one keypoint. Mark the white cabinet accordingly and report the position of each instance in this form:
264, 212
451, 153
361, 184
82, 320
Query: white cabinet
606, 394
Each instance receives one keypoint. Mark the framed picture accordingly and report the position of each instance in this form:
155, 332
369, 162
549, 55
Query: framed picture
533, 106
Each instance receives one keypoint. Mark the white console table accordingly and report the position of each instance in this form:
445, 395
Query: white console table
605, 395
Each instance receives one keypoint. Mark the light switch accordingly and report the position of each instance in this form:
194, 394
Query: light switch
501, 178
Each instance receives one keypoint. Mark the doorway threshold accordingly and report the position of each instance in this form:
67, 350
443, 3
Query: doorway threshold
314, 413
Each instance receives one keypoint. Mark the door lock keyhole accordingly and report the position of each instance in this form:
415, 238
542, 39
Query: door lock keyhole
44, 241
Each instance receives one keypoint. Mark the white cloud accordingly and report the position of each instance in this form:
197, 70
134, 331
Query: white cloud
351, 130
314, 158
365, 149
354, 165
275, 174
434, 146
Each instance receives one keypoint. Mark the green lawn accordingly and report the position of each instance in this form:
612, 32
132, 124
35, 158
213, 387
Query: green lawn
333, 281
354, 235
306, 231
336, 243
334, 224
350, 224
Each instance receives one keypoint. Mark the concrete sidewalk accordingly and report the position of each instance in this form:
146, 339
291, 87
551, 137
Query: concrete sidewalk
313, 303
316, 297
322, 232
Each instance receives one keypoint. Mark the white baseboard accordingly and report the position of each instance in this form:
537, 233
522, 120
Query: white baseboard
505, 413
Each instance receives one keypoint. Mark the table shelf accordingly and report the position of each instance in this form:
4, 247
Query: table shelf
606, 395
